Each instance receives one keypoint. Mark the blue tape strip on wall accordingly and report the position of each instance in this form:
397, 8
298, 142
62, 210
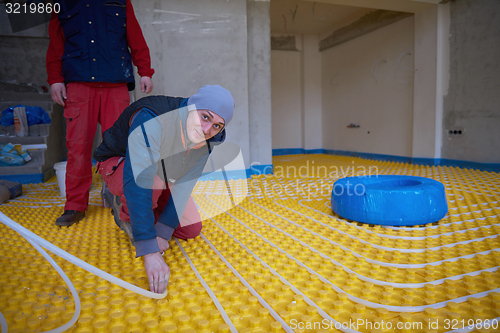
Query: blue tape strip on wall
390, 200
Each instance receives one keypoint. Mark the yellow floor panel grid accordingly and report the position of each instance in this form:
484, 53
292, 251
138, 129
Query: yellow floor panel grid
278, 261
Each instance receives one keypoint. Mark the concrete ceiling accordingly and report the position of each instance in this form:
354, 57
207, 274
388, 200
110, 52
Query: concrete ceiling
410, 6
312, 17
305, 17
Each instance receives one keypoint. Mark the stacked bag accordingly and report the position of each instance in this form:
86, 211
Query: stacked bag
12, 156
9, 190
22, 120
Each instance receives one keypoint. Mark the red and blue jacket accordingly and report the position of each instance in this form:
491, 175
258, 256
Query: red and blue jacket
150, 134
90, 41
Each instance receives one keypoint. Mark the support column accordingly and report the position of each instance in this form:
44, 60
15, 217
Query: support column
431, 62
259, 85
311, 85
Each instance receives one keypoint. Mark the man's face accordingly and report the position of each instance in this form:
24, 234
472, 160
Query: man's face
201, 125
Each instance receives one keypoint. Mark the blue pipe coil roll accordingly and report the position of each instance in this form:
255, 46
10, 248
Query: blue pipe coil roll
390, 200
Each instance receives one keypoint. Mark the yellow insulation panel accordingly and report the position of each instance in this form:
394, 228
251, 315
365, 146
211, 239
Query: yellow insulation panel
280, 260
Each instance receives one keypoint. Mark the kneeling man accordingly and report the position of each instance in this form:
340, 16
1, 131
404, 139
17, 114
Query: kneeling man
150, 161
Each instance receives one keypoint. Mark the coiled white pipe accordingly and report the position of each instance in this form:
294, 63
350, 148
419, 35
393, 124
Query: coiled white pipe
39, 242
214, 298
339, 290
70, 285
395, 228
76, 261
391, 236
380, 247
262, 301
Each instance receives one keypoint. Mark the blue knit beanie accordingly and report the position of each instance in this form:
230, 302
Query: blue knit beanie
213, 98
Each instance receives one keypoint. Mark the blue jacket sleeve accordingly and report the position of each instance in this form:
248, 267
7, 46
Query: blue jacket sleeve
180, 193
139, 172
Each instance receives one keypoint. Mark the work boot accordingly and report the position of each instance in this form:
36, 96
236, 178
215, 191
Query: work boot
69, 217
125, 226
105, 190
114, 202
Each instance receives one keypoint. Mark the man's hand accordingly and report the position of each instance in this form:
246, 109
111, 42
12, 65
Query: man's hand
162, 243
146, 84
58, 93
158, 272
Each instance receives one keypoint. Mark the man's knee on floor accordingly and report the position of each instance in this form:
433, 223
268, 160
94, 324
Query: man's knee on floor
187, 232
195, 229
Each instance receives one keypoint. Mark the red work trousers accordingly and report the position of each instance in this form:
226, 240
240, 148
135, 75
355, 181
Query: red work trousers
111, 172
85, 107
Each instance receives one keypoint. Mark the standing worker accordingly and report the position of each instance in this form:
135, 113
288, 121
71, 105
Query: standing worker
150, 175
89, 67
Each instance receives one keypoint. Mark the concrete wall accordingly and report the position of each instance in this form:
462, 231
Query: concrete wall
286, 99
368, 81
296, 95
473, 100
192, 46
259, 81
406, 84
425, 96
311, 85
22, 54
22, 59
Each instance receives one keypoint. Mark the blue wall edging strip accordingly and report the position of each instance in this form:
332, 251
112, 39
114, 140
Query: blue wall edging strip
297, 151
255, 169
495, 167
288, 151
266, 169
371, 156
313, 151
259, 169
218, 175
